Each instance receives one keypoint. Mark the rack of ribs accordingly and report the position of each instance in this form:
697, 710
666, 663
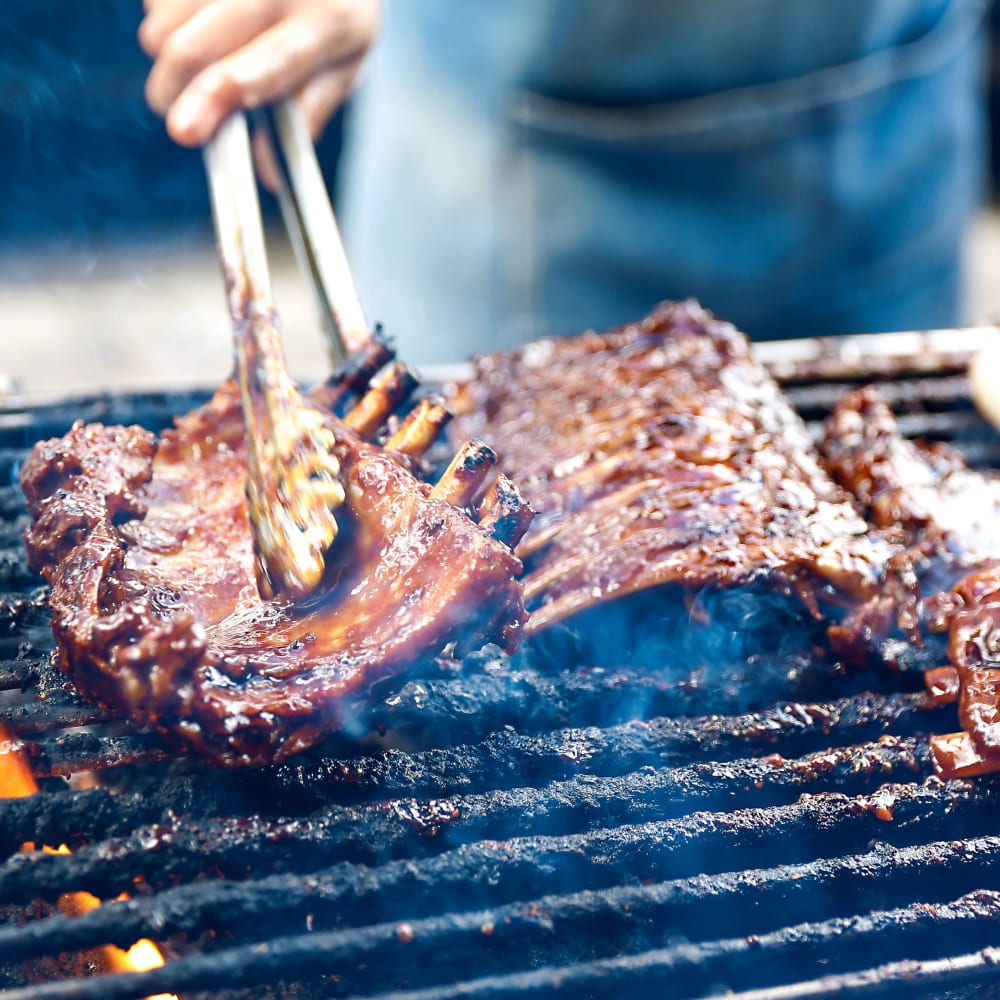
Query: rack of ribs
662, 454
147, 546
948, 515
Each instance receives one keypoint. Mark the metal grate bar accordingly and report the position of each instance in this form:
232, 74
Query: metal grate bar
39, 717
669, 848
712, 968
18, 675
19, 609
456, 712
728, 903
481, 703
913, 977
948, 393
93, 814
581, 802
684, 969
793, 728
67, 754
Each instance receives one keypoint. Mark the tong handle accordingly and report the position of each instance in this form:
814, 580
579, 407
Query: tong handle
312, 227
236, 208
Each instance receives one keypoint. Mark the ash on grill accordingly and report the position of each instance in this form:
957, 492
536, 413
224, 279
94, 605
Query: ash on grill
551, 827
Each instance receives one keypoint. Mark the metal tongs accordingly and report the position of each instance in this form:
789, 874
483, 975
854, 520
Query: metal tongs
293, 484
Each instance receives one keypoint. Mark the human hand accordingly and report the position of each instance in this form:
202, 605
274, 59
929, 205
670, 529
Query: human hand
214, 56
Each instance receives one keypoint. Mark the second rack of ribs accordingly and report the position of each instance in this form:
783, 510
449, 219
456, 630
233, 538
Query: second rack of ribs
663, 453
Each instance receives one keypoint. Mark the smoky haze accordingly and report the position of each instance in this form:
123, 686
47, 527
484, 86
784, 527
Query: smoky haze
85, 158
107, 266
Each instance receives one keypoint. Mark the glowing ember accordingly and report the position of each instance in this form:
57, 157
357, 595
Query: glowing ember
17, 781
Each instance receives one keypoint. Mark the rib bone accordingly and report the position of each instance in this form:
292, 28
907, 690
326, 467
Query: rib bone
420, 428
504, 512
387, 390
467, 472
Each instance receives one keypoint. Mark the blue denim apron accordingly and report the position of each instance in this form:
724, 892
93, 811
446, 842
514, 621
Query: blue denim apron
538, 167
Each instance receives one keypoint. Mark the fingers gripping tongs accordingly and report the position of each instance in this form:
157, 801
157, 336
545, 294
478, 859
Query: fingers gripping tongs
293, 484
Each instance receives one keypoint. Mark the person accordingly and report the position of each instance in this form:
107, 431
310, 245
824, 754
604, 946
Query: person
546, 166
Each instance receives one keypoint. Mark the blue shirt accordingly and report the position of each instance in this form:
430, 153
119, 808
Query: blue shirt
539, 167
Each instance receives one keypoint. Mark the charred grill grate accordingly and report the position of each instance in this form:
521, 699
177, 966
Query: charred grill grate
549, 829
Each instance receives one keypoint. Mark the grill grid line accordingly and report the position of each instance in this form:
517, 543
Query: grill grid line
532, 700
658, 849
914, 977
608, 771
41, 717
663, 792
683, 967
345, 895
790, 727
672, 969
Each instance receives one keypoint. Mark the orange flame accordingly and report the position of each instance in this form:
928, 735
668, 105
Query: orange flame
17, 781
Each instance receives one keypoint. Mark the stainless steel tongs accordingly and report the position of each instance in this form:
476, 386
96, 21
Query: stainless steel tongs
293, 484
312, 227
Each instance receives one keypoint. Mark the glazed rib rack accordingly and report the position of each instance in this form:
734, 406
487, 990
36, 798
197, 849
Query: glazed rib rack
531, 828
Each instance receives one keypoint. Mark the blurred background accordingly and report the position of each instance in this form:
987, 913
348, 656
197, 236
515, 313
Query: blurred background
108, 274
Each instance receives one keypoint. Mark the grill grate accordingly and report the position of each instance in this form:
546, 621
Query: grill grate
538, 828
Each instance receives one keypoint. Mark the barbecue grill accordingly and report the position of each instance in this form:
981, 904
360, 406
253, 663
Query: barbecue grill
536, 827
